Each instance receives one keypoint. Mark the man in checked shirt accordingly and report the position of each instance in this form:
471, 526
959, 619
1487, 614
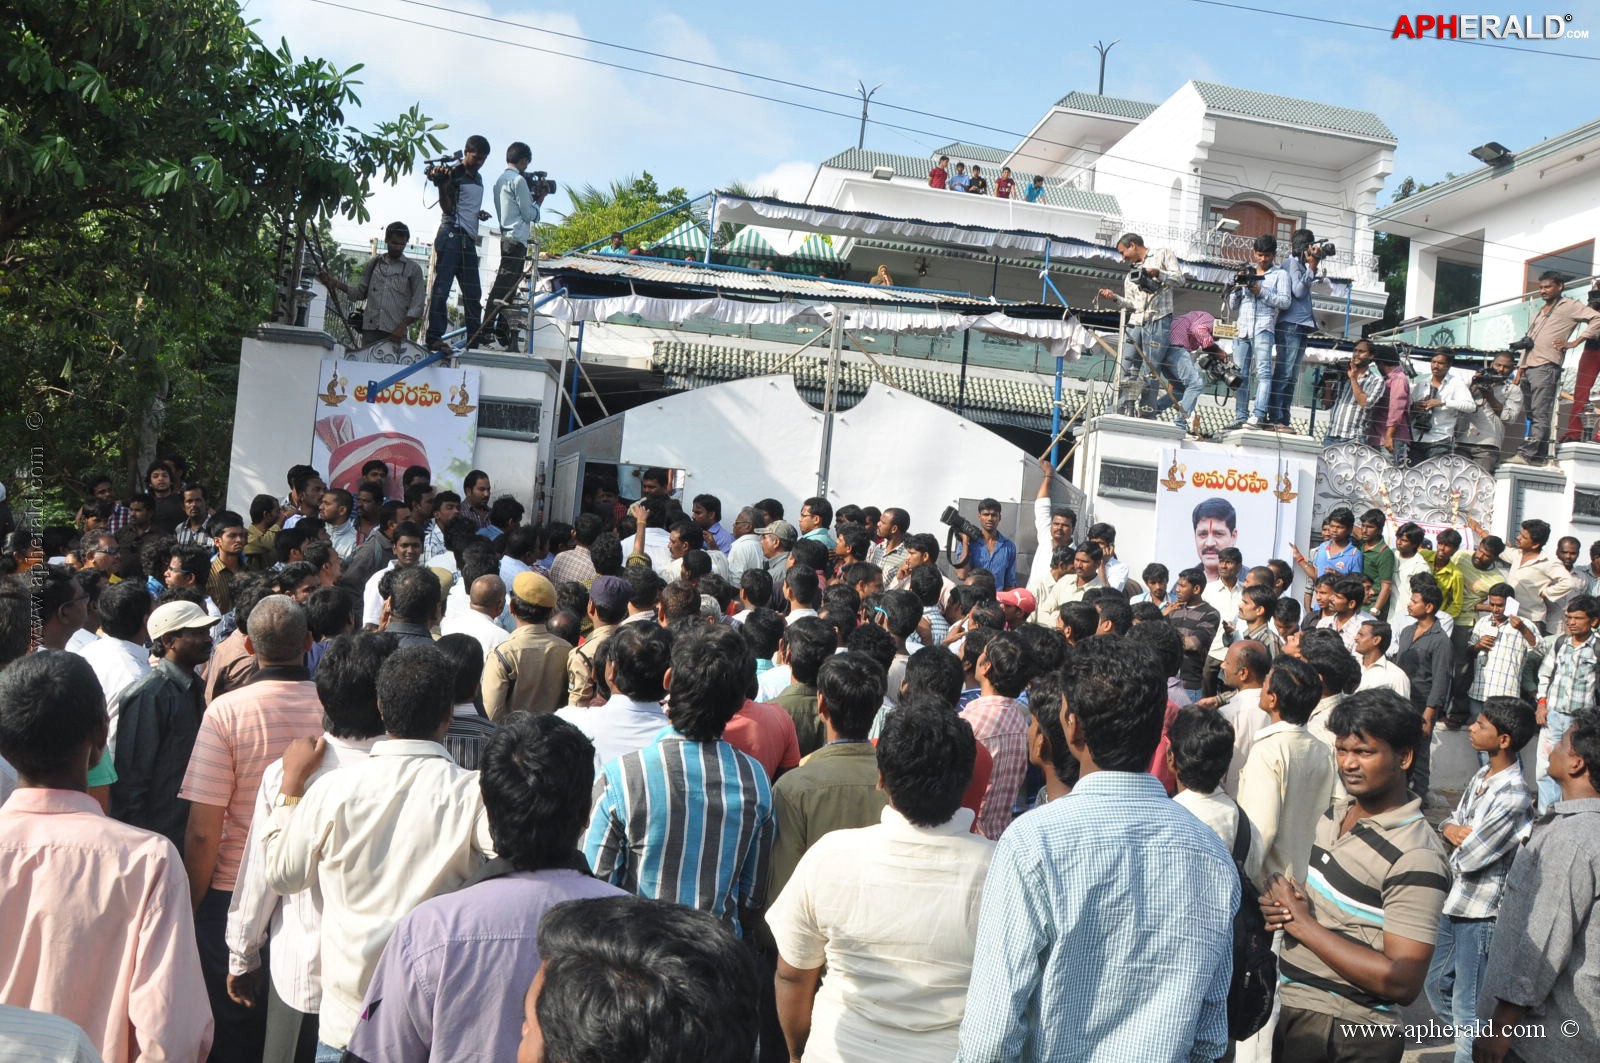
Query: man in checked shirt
1147, 295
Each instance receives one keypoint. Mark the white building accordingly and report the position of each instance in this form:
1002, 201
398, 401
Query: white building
1169, 171
1500, 226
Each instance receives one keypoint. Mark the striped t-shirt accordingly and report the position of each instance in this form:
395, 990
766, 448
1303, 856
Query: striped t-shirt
241, 733
1387, 874
686, 822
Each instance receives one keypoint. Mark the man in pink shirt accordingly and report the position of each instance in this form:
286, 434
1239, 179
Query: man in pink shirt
242, 732
1001, 726
94, 920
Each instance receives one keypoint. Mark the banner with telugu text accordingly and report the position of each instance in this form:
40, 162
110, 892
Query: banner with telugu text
1208, 501
430, 418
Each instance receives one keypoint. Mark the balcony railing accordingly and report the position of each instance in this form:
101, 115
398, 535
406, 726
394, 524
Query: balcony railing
1489, 327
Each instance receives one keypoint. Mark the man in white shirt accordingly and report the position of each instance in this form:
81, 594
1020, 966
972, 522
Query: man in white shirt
408, 803
1222, 594
1373, 640
1287, 779
1244, 669
1053, 527
1444, 396
745, 553
636, 671
119, 656
481, 620
407, 552
347, 677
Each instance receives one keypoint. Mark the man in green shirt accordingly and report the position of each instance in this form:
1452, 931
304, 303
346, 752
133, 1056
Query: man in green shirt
1479, 571
836, 788
807, 644
1377, 560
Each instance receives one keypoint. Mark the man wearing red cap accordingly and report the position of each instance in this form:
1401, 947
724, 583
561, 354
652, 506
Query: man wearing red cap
1017, 604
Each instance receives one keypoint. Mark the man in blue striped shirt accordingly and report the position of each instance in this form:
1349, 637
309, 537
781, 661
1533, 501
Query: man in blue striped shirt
688, 818
1107, 923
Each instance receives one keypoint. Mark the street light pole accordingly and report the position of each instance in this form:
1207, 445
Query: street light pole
1103, 49
866, 97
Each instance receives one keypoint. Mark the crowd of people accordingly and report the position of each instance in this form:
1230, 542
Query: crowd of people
1376, 397
395, 775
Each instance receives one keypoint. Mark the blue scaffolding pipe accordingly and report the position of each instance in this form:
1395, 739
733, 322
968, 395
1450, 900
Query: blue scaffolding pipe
572, 401
711, 228
376, 387
1055, 414
647, 221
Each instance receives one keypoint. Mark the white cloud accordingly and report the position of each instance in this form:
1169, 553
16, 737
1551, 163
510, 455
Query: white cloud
787, 180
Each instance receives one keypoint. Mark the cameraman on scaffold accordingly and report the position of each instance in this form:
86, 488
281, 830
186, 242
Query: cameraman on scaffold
1147, 295
518, 210
1295, 321
455, 246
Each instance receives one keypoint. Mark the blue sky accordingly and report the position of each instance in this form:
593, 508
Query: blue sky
968, 63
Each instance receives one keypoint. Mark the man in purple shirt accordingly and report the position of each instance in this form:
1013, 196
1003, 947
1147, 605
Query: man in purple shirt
1191, 334
451, 979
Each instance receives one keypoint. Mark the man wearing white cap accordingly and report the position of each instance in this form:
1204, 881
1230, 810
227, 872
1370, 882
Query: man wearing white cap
159, 720
528, 671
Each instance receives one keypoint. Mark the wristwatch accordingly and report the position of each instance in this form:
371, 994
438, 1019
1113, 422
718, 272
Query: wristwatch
285, 801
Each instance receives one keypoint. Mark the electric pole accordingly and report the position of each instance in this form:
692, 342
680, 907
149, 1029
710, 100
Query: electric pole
1103, 49
866, 97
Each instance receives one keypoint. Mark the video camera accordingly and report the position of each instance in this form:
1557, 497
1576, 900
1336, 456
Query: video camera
430, 167
1322, 249
952, 519
1487, 378
1143, 281
1246, 277
539, 183
1219, 370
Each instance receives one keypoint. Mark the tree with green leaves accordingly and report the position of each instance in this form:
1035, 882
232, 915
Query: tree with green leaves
598, 212
150, 154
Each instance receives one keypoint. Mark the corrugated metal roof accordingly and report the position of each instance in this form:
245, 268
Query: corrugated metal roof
960, 152
1056, 195
1109, 105
697, 275
1293, 111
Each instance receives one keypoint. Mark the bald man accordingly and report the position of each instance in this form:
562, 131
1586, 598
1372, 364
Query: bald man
487, 600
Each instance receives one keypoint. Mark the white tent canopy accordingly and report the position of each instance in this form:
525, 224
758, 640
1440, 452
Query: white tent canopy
1063, 337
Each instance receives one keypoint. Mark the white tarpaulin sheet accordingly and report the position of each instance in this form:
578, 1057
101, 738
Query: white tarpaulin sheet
1063, 337
741, 209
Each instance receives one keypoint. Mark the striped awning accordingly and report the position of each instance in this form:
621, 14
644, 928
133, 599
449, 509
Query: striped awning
749, 243
817, 249
687, 237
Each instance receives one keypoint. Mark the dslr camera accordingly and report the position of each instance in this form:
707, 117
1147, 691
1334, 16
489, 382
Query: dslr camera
1219, 370
539, 183
1143, 281
952, 519
1524, 344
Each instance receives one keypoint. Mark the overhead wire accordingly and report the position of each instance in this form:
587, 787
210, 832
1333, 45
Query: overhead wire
891, 126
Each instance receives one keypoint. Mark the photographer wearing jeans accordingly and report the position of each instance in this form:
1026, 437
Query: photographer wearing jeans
518, 210
1543, 349
455, 246
1296, 322
1483, 430
1147, 295
1254, 301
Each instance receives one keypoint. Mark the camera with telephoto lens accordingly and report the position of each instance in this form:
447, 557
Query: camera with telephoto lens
1524, 344
1143, 281
952, 519
1218, 369
539, 183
